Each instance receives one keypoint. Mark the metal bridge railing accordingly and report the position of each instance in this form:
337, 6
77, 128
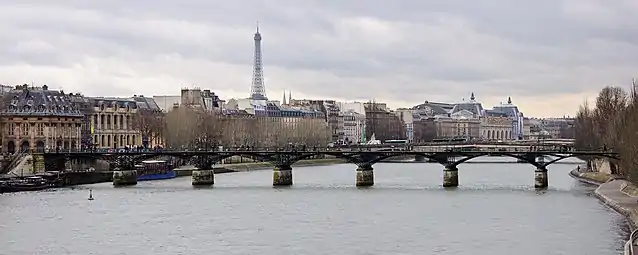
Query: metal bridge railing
451, 149
633, 238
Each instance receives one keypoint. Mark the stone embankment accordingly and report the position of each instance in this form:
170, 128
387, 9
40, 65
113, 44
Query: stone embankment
621, 195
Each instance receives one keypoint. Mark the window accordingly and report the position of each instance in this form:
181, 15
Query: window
40, 129
12, 128
25, 129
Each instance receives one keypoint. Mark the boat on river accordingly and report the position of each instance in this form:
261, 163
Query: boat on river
155, 170
31, 183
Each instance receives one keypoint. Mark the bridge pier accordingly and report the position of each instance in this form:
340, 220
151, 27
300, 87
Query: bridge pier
124, 178
203, 177
282, 176
450, 177
541, 179
365, 176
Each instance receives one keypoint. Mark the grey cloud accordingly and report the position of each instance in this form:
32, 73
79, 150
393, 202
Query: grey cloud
398, 51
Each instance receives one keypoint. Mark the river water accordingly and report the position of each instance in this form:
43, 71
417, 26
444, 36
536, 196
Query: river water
495, 211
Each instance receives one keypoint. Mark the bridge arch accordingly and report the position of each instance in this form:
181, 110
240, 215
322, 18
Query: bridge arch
256, 157
346, 156
562, 157
406, 153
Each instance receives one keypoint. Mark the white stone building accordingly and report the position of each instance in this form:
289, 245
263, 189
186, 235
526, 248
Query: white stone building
353, 125
495, 128
357, 107
407, 116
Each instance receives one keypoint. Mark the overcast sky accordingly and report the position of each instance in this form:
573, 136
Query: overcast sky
548, 55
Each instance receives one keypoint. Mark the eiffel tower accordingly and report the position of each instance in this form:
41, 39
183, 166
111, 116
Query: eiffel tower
257, 89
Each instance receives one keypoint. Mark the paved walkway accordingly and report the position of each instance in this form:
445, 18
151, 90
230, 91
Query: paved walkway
621, 201
610, 193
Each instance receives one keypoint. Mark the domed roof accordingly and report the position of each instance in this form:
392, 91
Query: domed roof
471, 106
508, 109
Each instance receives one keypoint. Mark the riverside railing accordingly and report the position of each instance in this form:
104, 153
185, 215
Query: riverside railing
629, 246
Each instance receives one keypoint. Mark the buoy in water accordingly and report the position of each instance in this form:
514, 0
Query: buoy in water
90, 194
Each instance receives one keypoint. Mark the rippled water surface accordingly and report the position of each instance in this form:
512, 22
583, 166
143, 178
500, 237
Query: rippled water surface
494, 211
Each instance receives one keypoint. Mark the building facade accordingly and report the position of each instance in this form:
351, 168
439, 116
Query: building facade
407, 117
425, 130
383, 123
354, 127
558, 128
204, 99
497, 128
509, 110
457, 128
113, 123
330, 110
36, 119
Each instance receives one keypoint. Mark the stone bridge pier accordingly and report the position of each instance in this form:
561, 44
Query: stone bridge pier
450, 176
282, 175
204, 175
124, 177
541, 178
365, 176
124, 173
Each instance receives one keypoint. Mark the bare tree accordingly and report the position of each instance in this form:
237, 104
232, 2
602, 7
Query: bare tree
628, 143
181, 127
584, 128
150, 123
610, 104
210, 127
424, 131
611, 124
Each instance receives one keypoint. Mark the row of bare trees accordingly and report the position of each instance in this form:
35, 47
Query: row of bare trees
611, 124
193, 128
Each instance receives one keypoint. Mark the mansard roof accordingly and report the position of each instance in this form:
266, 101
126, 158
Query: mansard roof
135, 102
471, 106
39, 101
146, 103
433, 108
113, 101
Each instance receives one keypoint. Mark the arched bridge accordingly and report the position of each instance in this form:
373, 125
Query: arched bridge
282, 160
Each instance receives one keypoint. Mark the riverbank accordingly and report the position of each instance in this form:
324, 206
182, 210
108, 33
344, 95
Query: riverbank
621, 195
